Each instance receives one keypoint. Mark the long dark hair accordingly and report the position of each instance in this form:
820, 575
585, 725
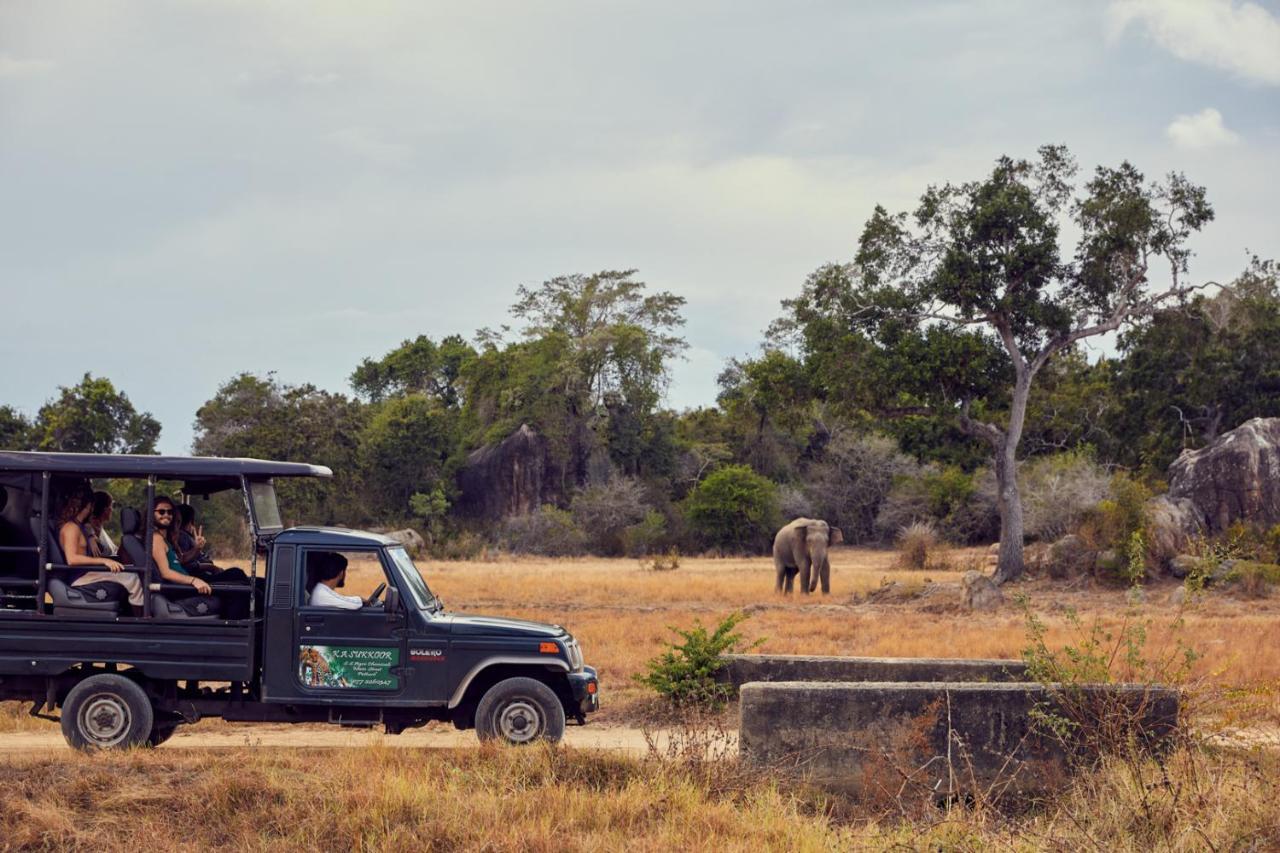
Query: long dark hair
172, 536
75, 502
102, 501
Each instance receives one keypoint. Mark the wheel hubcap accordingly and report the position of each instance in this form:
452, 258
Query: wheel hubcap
520, 721
104, 719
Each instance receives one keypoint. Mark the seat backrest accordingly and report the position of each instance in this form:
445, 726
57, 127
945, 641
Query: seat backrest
54, 554
131, 547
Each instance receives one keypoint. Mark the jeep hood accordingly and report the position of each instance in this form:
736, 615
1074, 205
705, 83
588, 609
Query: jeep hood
468, 626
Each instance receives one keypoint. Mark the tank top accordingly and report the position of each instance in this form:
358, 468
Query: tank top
174, 563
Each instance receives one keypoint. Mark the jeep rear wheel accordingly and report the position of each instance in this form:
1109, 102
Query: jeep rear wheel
520, 711
106, 712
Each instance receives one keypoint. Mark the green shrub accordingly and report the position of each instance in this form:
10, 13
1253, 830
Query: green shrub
685, 673
1119, 524
647, 536
733, 509
1254, 578
961, 507
547, 530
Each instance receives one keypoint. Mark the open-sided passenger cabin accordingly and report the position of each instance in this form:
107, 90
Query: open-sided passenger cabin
33, 486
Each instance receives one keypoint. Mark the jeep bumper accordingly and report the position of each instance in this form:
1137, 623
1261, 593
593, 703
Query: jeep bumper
586, 692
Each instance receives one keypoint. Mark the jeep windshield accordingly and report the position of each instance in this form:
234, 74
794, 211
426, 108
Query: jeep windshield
417, 585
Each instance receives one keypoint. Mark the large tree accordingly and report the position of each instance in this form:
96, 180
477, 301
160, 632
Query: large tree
955, 309
15, 429
93, 417
1194, 371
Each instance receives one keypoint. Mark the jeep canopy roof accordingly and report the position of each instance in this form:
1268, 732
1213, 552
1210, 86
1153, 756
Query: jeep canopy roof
199, 474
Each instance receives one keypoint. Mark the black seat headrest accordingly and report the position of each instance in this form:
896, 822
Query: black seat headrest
54, 554
130, 521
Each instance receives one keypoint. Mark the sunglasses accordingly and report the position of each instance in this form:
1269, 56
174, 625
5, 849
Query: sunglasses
164, 512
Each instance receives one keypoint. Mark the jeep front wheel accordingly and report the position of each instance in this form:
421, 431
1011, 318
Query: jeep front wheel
106, 712
520, 711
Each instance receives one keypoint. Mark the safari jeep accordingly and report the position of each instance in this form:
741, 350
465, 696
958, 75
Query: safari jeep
121, 679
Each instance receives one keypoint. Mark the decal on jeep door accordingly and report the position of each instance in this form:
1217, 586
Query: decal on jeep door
348, 667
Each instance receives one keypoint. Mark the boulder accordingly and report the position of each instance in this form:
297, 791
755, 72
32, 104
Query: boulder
508, 478
1183, 565
978, 592
411, 539
1235, 478
1171, 524
1178, 597
1068, 556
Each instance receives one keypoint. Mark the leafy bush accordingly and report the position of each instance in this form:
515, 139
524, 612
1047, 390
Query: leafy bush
547, 530
603, 512
961, 507
1058, 491
685, 672
1117, 524
647, 536
850, 480
1255, 579
916, 544
733, 509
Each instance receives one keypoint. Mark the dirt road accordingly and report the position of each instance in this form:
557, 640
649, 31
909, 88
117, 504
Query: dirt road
623, 739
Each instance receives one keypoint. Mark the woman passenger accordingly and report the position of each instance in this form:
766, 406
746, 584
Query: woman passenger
83, 551
164, 550
103, 503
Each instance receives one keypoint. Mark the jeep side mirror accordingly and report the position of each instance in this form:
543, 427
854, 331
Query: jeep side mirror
392, 605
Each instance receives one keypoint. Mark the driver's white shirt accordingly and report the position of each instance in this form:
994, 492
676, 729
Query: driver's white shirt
322, 596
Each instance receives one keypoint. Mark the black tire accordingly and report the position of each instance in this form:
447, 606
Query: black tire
107, 712
520, 711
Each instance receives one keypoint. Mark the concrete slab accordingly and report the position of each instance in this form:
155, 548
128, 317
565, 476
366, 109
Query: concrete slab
939, 739
742, 669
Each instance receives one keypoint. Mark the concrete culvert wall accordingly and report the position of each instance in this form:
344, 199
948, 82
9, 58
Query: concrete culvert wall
741, 669
941, 739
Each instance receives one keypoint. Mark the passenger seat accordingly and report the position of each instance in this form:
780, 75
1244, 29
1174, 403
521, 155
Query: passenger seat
97, 600
135, 553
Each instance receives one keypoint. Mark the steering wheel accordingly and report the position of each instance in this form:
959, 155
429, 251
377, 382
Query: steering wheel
375, 595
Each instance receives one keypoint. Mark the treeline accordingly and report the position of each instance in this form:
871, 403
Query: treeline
875, 401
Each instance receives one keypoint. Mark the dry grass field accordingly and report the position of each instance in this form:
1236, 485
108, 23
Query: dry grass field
568, 799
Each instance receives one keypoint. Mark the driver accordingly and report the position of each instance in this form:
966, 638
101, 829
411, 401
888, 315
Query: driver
329, 573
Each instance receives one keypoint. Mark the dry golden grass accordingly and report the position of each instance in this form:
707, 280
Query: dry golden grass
547, 799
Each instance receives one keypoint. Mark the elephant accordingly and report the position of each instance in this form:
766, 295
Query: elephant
800, 548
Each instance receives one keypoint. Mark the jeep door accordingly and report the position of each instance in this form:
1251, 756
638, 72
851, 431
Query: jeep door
349, 656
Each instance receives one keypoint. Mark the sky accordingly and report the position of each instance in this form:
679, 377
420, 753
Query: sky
189, 190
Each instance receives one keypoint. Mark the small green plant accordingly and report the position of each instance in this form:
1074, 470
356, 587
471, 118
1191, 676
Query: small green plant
685, 673
1135, 566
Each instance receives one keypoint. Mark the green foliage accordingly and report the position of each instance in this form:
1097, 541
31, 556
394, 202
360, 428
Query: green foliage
548, 531
606, 510
733, 509
685, 673
262, 418
1195, 371
950, 500
1256, 579
1112, 524
15, 430
646, 536
93, 417
1097, 654
405, 449
419, 366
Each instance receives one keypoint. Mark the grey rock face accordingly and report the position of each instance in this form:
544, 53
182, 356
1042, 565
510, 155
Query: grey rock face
1183, 565
1171, 522
978, 592
409, 538
1237, 477
1068, 556
507, 478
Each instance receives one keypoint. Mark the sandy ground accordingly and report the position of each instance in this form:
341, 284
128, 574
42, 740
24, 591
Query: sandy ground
619, 738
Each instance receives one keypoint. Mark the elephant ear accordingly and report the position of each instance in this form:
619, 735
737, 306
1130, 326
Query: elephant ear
835, 536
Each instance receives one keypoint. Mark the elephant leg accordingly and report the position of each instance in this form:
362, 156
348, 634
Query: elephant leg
780, 573
804, 575
826, 576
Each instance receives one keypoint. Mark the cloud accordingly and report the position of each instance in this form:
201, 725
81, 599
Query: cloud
1201, 130
1241, 38
12, 67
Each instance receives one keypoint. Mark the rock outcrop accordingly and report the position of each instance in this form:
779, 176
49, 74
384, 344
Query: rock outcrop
978, 592
1235, 478
507, 478
408, 537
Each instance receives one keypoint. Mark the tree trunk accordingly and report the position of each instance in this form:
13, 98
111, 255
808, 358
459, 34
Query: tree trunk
1009, 565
